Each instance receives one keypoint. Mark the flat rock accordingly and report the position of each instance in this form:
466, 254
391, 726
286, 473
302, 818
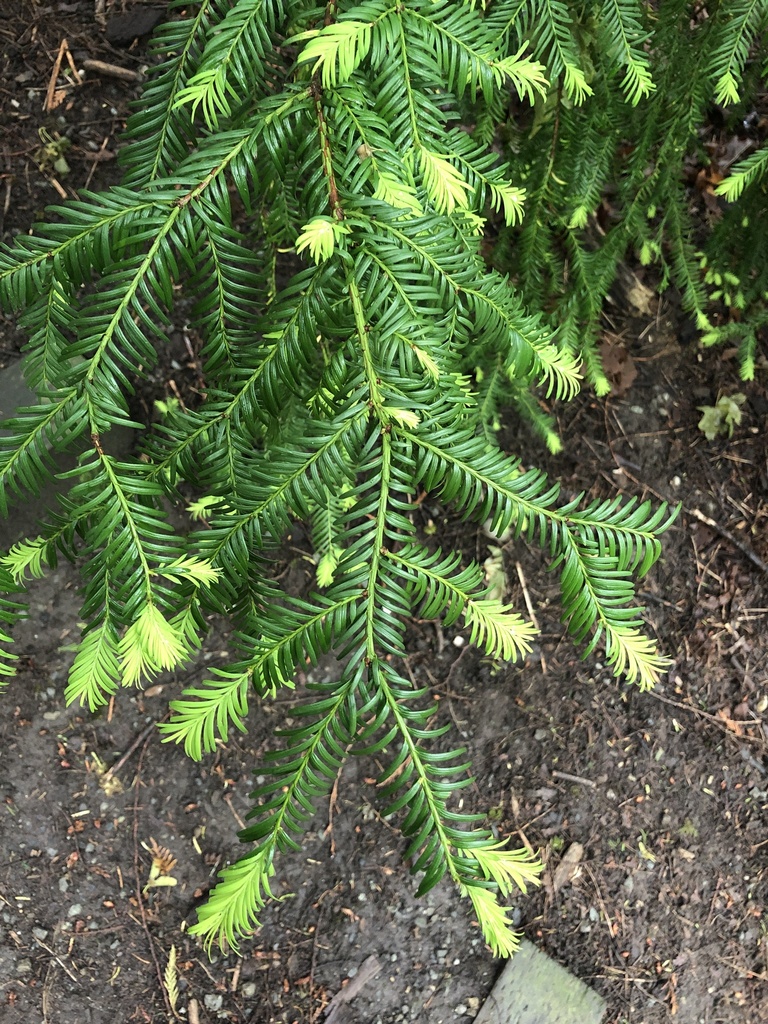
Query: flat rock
533, 989
122, 29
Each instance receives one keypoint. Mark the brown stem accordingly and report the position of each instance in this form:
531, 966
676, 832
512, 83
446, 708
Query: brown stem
325, 152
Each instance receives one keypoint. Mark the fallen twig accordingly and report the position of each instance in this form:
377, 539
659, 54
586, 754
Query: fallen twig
95, 158
111, 772
101, 67
53, 97
58, 960
49, 102
716, 720
59, 187
238, 818
531, 613
567, 777
139, 891
743, 547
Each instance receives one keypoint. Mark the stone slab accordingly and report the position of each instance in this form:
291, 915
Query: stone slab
533, 989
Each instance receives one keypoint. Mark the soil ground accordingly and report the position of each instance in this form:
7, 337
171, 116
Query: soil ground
649, 809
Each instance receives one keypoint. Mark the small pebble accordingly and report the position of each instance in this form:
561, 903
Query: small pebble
24, 967
74, 910
40, 933
460, 1010
248, 990
63, 885
213, 1002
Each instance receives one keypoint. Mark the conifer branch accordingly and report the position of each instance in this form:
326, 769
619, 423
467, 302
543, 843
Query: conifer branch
342, 139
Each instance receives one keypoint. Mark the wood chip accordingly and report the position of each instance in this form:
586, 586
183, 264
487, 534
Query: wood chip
568, 869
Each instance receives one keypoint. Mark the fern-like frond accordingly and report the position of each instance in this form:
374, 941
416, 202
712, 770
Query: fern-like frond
743, 175
494, 920
445, 186
95, 673
26, 441
231, 912
301, 772
499, 318
495, 628
232, 64
597, 596
597, 587
27, 556
549, 24
511, 870
49, 321
327, 534
526, 74
623, 23
338, 48
444, 588
590, 171
208, 710
685, 265
735, 28
11, 611
419, 782
160, 134
289, 635
626, 530
150, 645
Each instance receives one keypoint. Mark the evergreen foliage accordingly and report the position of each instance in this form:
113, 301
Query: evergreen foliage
375, 372
634, 86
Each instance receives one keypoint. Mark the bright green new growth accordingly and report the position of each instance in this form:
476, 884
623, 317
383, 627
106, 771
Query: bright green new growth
375, 372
